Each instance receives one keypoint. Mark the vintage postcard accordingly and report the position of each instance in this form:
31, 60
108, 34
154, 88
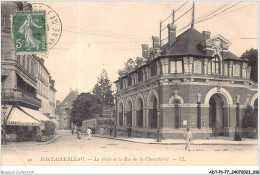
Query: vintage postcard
129, 83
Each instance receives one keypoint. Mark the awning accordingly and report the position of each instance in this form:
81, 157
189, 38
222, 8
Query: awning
17, 117
35, 114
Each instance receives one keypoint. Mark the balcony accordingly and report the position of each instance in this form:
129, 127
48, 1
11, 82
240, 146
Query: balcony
17, 96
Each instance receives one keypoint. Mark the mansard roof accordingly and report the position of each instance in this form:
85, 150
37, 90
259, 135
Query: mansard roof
187, 43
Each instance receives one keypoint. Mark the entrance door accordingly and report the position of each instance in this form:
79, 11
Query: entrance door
217, 119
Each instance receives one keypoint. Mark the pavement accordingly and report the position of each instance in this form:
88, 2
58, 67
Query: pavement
31, 143
212, 141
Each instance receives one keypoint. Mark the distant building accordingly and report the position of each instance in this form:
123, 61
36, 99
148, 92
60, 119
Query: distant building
63, 110
193, 81
45, 89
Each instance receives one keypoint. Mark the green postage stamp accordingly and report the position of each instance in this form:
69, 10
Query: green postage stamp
29, 32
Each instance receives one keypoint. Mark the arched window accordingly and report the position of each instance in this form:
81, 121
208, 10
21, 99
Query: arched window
216, 65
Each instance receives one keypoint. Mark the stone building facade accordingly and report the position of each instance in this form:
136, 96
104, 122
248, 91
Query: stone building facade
193, 81
63, 110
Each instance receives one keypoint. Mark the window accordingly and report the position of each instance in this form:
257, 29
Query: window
2, 47
18, 57
209, 67
176, 67
225, 69
3, 17
32, 68
24, 61
197, 66
236, 70
121, 84
129, 80
28, 64
140, 75
216, 65
153, 69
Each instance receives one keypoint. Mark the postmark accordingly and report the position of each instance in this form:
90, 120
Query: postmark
53, 25
29, 32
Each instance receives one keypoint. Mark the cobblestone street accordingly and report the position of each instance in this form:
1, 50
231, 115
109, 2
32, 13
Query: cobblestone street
68, 150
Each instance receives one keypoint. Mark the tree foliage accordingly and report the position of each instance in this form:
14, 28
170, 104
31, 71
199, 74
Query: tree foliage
252, 57
103, 90
250, 119
88, 105
84, 107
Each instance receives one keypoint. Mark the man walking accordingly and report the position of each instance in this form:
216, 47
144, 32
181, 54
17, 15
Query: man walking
129, 130
188, 138
89, 132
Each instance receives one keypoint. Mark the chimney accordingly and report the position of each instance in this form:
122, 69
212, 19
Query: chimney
42, 61
145, 50
171, 33
206, 34
155, 42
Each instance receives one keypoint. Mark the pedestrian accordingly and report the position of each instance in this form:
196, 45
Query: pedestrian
72, 131
89, 132
111, 130
79, 133
129, 130
188, 138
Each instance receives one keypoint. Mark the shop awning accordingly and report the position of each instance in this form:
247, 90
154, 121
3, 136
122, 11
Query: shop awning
35, 114
18, 117
26, 80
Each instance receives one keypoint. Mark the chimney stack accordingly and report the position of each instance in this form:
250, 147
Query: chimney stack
206, 34
171, 33
156, 43
145, 50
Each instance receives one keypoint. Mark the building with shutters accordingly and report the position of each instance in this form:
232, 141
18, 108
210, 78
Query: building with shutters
193, 81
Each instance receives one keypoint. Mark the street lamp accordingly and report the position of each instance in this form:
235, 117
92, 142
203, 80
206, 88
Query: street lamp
158, 126
115, 122
4, 110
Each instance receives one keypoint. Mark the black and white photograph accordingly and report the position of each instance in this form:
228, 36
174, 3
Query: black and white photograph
111, 83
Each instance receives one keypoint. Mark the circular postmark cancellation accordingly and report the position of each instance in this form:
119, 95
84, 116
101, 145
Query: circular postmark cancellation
53, 23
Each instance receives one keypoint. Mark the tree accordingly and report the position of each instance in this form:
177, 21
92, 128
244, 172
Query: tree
84, 107
103, 90
252, 57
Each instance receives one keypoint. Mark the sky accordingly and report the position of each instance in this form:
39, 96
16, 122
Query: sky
104, 35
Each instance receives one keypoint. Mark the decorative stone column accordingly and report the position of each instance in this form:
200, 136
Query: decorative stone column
230, 68
205, 65
186, 65
190, 65
134, 117
158, 65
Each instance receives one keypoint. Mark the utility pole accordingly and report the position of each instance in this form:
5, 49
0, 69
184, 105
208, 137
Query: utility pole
193, 15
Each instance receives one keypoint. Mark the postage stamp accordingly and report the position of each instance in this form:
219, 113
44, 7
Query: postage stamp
29, 32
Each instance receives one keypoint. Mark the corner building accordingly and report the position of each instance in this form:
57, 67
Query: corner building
193, 81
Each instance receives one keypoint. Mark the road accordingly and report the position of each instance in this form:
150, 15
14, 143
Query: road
68, 150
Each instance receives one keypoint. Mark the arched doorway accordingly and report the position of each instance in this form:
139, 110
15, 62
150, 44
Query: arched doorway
153, 112
176, 103
129, 113
139, 113
120, 114
218, 114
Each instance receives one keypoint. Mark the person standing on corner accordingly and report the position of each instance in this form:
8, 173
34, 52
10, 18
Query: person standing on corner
79, 133
129, 130
188, 138
89, 132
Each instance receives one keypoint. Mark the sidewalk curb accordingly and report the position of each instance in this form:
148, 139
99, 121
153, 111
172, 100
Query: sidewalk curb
160, 143
34, 144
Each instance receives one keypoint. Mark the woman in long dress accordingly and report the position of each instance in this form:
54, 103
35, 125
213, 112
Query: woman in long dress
26, 29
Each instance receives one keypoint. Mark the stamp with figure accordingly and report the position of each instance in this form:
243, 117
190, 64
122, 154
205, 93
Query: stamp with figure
29, 32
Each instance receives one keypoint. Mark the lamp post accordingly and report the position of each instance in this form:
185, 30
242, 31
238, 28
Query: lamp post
158, 126
4, 110
115, 122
